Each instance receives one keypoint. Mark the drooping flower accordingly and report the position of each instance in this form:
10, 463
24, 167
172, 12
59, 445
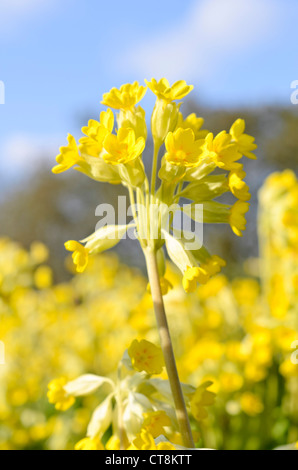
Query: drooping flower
182, 148
167, 93
145, 356
126, 97
237, 186
68, 157
200, 400
155, 422
58, 396
192, 276
245, 142
145, 441
213, 265
237, 219
79, 256
123, 147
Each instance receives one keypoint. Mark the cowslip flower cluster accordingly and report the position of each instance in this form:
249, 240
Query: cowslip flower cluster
137, 408
196, 165
227, 333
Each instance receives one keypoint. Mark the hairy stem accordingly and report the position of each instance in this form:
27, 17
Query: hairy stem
167, 348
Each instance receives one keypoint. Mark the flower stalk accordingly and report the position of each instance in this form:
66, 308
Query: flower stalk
167, 348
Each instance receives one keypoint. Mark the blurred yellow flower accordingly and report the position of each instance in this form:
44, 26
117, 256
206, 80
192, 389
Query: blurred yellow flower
192, 276
89, 443
145, 356
155, 421
251, 404
79, 256
58, 396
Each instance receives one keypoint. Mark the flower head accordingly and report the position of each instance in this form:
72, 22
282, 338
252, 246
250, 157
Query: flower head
155, 421
236, 218
68, 157
194, 123
200, 400
222, 151
245, 142
182, 148
145, 356
123, 147
145, 441
79, 256
126, 97
96, 133
192, 276
237, 186
165, 92
58, 396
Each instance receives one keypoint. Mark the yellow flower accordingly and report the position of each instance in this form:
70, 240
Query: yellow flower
123, 147
251, 404
192, 276
43, 277
96, 133
145, 441
222, 151
245, 142
194, 123
230, 381
79, 256
89, 443
165, 286
126, 97
165, 92
237, 186
68, 157
182, 148
58, 396
200, 399
213, 265
236, 219
113, 443
145, 356
155, 421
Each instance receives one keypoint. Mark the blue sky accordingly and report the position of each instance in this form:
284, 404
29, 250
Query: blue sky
57, 58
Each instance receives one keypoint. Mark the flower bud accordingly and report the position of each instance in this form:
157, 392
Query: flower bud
164, 119
134, 119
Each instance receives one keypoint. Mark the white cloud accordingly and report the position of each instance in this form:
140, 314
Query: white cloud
21, 154
14, 13
199, 44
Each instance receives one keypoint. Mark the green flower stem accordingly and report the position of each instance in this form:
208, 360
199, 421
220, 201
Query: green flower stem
167, 348
157, 146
